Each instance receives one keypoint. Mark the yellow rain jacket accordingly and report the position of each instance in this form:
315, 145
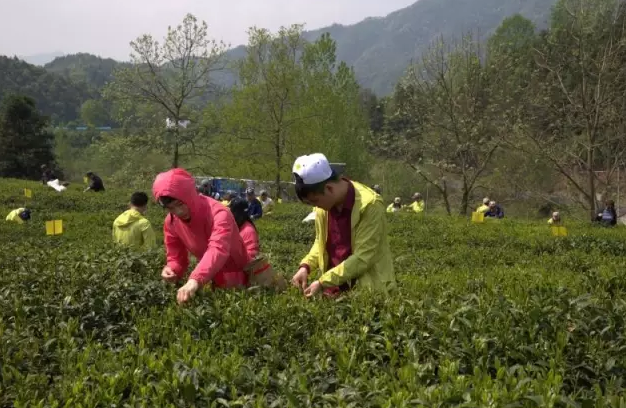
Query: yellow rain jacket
268, 206
417, 207
15, 216
371, 261
391, 208
482, 209
134, 230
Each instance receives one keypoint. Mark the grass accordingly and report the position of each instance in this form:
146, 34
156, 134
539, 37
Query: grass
500, 314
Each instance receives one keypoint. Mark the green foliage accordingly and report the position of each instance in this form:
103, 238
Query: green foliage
56, 95
380, 49
293, 99
25, 141
85, 68
500, 314
94, 113
168, 77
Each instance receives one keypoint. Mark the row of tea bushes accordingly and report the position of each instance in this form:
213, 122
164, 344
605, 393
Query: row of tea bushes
494, 315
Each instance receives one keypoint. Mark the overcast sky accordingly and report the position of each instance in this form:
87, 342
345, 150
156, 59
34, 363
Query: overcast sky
105, 27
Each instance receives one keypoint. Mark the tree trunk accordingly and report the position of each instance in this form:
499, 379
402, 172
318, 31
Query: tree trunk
464, 201
175, 161
592, 184
278, 163
444, 193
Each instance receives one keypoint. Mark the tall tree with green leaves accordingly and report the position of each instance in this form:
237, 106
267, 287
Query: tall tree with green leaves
576, 98
25, 141
446, 114
292, 98
170, 76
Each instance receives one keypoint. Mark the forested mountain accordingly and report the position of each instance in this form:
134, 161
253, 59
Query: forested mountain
56, 95
87, 68
379, 49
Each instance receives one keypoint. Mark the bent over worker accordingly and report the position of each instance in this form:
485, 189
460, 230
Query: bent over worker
19, 215
202, 226
131, 228
351, 248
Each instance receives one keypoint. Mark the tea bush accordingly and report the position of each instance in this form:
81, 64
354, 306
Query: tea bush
494, 315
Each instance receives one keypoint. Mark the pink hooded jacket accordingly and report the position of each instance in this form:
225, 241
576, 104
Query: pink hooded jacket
250, 240
211, 235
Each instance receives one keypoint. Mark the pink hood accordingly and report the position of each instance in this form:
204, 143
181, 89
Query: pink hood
178, 184
211, 235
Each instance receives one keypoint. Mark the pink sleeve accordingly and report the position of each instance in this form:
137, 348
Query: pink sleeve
177, 256
218, 248
250, 240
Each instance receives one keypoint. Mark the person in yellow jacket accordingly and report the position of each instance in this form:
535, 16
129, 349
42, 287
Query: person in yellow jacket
19, 215
555, 219
131, 228
418, 204
485, 206
351, 247
227, 197
396, 206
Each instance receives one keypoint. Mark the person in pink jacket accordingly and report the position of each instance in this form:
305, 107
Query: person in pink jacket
202, 226
247, 230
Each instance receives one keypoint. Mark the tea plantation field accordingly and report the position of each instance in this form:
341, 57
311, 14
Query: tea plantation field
494, 315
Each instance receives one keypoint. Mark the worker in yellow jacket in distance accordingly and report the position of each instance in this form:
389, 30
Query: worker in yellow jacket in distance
19, 215
131, 228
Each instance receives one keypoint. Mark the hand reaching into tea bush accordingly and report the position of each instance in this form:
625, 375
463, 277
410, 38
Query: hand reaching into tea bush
187, 291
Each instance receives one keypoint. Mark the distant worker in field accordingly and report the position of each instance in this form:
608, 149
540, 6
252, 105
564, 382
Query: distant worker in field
247, 230
47, 174
485, 206
351, 247
608, 217
228, 196
19, 215
205, 188
396, 206
258, 269
418, 205
267, 204
255, 209
494, 211
555, 219
95, 182
131, 228
202, 226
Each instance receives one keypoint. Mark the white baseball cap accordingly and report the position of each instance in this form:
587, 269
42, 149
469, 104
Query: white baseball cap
313, 168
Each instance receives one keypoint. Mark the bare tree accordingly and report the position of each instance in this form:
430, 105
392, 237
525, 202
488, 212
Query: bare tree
445, 105
171, 75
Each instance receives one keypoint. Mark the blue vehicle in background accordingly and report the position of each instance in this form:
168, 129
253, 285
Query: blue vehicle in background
217, 187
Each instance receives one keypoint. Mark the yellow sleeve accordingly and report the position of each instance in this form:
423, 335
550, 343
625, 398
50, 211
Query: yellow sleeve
149, 238
312, 258
368, 235
390, 208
